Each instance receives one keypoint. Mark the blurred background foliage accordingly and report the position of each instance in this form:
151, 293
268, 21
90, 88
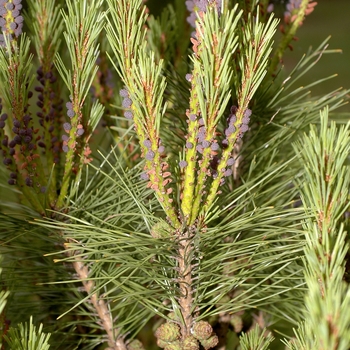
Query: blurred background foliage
330, 18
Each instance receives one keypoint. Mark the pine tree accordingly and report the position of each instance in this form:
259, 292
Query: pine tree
166, 183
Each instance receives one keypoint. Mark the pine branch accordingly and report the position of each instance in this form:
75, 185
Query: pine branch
3, 300
294, 18
143, 95
216, 41
256, 339
20, 151
325, 196
103, 312
255, 48
27, 337
44, 19
84, 24
183, 224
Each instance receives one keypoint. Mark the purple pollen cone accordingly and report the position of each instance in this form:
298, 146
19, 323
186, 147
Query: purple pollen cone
230, 161
244, 128
126, 102
188, 77
144, 176
182, 163
124, 93
67, 126
189, 145
147, 143
247, 113
128, 115
150, 155
215, 146
80, 132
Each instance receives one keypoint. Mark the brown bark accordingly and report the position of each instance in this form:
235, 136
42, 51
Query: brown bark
185, 282
100, 306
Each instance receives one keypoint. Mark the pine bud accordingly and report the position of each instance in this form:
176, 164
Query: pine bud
70, 113
67, 127
190, 343
199, 149
182, 164
5, 141
173, 316
176, 345
7, 161
150, 155
128, 115
244, 128
237, 323
228, 172
161, 230
246, 120
135, 345
28, 181
230, 161
230, 130
147, 143
80, 131
224, 143
168, 332
232, 119
247, 113
233, 109
211, 342
124, 93
205, 144
188, 77
161, 343
202, 330
144, 176
189, 145
126, 102
215, 146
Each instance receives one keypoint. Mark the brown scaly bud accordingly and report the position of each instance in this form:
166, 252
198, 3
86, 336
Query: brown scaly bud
173, 317
161, 230
237, 323
135, 345
168, 332
190, 343
202, 330
161, 343
211, 342
176, 345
